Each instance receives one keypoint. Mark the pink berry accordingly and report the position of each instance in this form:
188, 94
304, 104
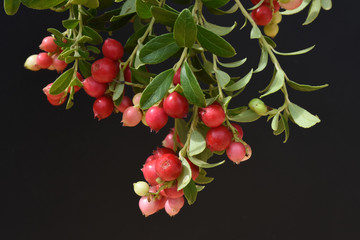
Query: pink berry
262, 15
168, 142
125, 103
136, 99
112, 49
131, 116
48, 44
168, 167
218, 139
54, 100
248, 154
58, 64
239, 129
147, 207
176, 79
149, 172
174, 205
104, 70
43, 60
103, 107
213, 115
176, 105
156, 118
236, 152
291, 5
94, 88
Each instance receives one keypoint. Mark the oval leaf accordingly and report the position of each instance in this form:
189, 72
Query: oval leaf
197, 143
164, 16
264, 57
314, 11
303, 87
302, 117
190, 192
241, 83
219, 30
62, 82
96, 38
276, 84
245, 116
204, 164
191, 87
185, 176
41, 4
185, 29
233, 64
11, 6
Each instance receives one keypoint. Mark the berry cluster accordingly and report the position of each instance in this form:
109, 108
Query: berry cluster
268, 15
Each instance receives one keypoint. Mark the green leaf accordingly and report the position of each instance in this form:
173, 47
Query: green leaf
70, 23
210, 101
233, 64
275, 121
143, 9
255, 33
222, 77
141, 76
85, 68
202, 75
204, 164
219, 30
284, 120
128, 7
119, 89
326, 4
164, 16
11, 6
57, 34
156, 89
133, 39
199, 188
256, 5
185, 29
264, 57
41, 4
298, 9
96, 38
217, 11
236, 111
203, 179
192, 89
197, 143
214, 43
270, 41
241, 83
295, 53
245, 116
87, 3
302, 117
276, 84
190, 192
305, 88
181, 129
314, 11
185, 176
215, 3
159, 49
62, 82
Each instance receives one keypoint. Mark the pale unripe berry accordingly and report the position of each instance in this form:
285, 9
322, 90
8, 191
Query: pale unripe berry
148, 207
277, 17
131, 116
136, 99
30, 63
173, 205
271, 30
258, 106
141, 188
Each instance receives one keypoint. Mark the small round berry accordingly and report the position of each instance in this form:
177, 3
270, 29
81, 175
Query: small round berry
258, 106
59, 65
271, 30
94, 88
103, 107
168, 142
125, 103
213, 115
127, 74
55, 100
218, 139
176, 105
262, 15
174, 205
277, 17
136, 99
172, 192
239, 129
150, 158
168, 167
148, 207
176, 79
48, 44
290, 5
236, 152
141, 188
149, 172
112, 49
104, 70
156, 118
131, 116
43, 60
30, 63
161, 151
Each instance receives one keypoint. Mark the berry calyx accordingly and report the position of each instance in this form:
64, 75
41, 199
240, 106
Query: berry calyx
43, 60
212, 115
30, 63
112, 49
104, 70
103, 107
168, 167
176, 105
262, 15
141, 188
149, 172
124, 104
94, 88
236, 152
248, 153
218, 139
48, 44
156, 118
174, 205
258, 106
176, 79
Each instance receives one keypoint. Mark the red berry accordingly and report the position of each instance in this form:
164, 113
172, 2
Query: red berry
127, 74
149, 172
239, 129
168, 167
218, 139
267, 3
103, 107
156, 118
58, 64
48, 44
94, 88
194, 170
104, 70
176, 79
174, 205
147, 207
55, 100
43, 60
176, 105
172, 192
150, 158
262, 15
112, 49
78, 75
131, 116
125, 103
213, 115
161, 151
236, 152
168, 142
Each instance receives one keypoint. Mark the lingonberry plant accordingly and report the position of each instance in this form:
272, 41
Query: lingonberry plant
204, 123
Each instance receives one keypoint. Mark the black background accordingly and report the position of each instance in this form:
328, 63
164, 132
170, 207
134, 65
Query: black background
65, 175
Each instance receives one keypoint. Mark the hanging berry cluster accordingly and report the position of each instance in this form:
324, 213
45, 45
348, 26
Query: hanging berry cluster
204, 123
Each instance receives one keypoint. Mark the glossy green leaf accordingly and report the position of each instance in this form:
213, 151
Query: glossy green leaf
275, 121
203, 179
128, 7
85, 68
159, 49
156, 89
241, 83
303, 51
62, 82
215, 3
197, 143
192, 89
264, 57
219, 30
236, 111
255, 33
210, 101
119, 88
233, 64
245, 116
70, 23
326, 4
314, 11
143, 9
57, 34
190, 192
302, 117
185, 177
199, 188
270, 41
96, 38
304, 87
185, 29
222, 77
276, 84
164, 16
214, 43
204, 164
11, 6
41, 4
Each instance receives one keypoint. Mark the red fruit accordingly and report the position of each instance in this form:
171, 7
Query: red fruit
78, 75
239, 129
125, 103
127, 74
168, 167
131, 116
103, 107
218, 139
176, 105
172, 192
168, 142
94, 88
112, 49
150, 158
59, 65
291, 5
161, 151
267, 3
176, 79
48, 44
104, 70
43, 60
262, 15
156, 118
213, 115
147, 207
174, 205
161, 202
236, 152
149, 172
54, 100
194, 170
